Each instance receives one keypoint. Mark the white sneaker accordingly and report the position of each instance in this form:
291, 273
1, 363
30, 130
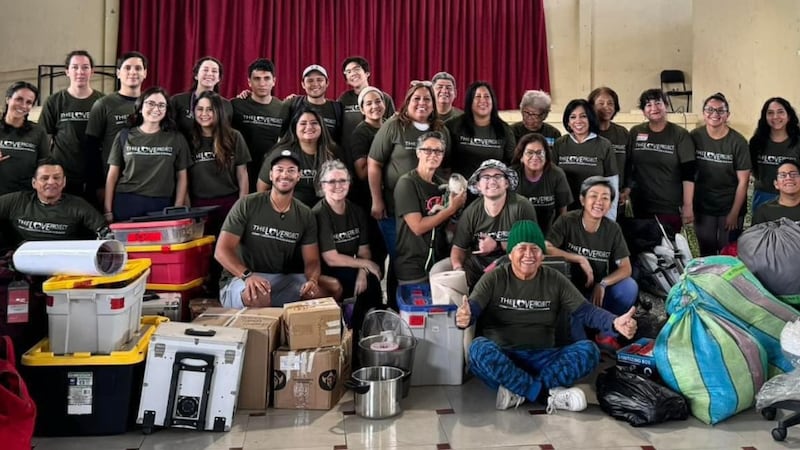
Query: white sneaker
569, 399
506, 399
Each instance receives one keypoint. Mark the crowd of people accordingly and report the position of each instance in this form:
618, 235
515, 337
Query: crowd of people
312, 194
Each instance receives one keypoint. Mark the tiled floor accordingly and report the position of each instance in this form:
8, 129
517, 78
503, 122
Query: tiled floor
442, 417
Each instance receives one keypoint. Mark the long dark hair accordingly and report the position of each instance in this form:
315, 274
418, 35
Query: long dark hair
196, 70
136, 118
402, 113
760, 139
469, 116
224, 141
326, 149
27, 125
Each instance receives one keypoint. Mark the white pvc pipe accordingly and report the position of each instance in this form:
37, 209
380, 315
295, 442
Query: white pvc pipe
92, 258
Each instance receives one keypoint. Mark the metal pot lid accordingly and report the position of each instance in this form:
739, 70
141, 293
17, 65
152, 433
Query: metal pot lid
381, 322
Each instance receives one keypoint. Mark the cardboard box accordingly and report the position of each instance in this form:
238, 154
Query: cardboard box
198, 306
638, 357
312, 323
263, 337
311, 379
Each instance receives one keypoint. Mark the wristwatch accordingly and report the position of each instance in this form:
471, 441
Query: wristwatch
246, 274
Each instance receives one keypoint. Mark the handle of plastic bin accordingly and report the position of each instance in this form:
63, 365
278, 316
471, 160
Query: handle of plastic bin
148, 297
356, 387
172, 209
200, 333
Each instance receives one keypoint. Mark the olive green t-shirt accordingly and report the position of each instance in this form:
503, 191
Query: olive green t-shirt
109, 115
25, 148
657, 159
71, 218
550, 132
269, 243
718, 160
593, 156
619, 138
602, 248
772, 210
65, 117
259, 124
522, 314
149, 162
207, 179
344, 233
182, 106
394, 147
452, 114
327, 110
360, 142
468, 152
416, 254
353, 116
548, 194
766, 170
306, 189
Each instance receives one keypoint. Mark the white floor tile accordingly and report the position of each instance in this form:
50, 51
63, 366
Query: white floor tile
410, 428
492, 428
302, 429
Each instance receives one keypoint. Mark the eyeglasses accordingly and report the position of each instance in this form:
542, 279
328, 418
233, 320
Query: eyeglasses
339, 181
495, 177
785, 175
534, 154
418, 83
356, 69
710, 111
534, 115
153, 105
431, 151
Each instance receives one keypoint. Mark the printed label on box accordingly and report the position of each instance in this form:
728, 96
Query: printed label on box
17, 301
79, 394
293, 362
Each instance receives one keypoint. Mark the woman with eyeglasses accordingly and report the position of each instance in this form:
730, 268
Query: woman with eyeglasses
663, 165
723, 175
787, 204
24, 142
344, 244
583, 153
218, 175
776, 139
148, 161
206, 75
422, 212
309, 139
479, 134
534, 107
540, 181
605, 102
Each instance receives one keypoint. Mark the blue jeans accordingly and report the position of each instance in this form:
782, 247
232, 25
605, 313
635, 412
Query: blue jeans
531, 372
618, 300
388, 228
285, 288
127, 205
761, 197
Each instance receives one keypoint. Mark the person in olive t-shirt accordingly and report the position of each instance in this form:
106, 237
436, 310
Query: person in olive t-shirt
482, 231
65, 115
535, 107
148, 162
723, 176
605, 102
22, 142
260, 241
315, 85
444, 88
516, 308
206, 76
595, 246
663, 165
258, 117
787, 182
48, 214
422, 213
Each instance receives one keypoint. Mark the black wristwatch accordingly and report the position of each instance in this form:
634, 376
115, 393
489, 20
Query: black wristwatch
246, 274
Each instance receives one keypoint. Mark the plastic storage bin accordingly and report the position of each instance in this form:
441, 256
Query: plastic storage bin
158, 232
83, 394
176, 263
187, 291
95, 314
439, 356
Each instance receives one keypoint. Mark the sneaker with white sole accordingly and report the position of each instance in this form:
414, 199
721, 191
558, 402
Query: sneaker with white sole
506, 399
568, 399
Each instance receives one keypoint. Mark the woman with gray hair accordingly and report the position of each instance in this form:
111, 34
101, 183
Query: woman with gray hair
534, 107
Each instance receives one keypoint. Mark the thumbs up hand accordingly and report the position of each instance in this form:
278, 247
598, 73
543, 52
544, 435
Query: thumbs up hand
626, 324
463, 314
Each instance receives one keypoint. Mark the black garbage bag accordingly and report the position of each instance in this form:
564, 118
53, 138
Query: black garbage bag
637, 400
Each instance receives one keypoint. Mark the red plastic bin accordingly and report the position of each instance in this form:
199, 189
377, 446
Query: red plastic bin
176, 263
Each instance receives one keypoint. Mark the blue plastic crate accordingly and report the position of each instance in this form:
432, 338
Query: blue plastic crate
417, 298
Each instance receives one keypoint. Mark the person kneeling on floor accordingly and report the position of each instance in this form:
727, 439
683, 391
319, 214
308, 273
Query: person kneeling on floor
516, 307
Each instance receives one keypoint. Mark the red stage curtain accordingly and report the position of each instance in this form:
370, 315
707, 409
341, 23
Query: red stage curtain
500, 41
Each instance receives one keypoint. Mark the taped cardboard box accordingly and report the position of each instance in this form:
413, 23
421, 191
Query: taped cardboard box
311, 379
312, 324
263, 337
198, 306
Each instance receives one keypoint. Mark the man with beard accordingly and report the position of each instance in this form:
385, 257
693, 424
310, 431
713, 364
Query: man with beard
444, 87
260, 242
315, 83
482, 233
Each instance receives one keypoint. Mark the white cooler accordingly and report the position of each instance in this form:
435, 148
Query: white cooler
192, 376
